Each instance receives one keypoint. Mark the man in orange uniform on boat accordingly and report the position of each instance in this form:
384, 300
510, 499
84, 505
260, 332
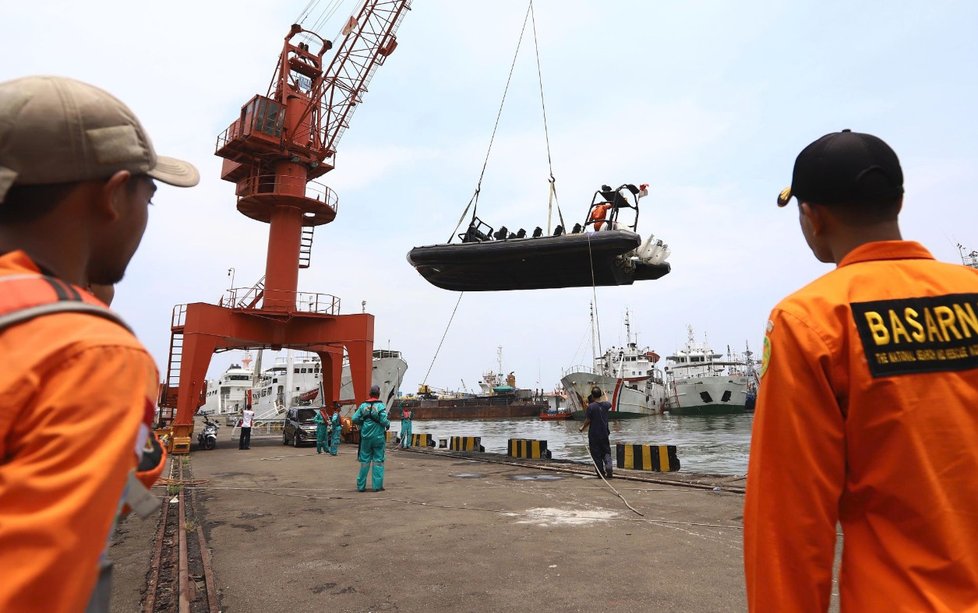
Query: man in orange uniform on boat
77, 395
867, 412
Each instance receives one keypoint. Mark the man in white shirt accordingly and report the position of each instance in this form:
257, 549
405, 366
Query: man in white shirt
247, 417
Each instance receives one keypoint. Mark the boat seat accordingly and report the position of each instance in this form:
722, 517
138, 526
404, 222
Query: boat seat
537, 232
521, 233
577, 229
477, 232
501, 234
558, 230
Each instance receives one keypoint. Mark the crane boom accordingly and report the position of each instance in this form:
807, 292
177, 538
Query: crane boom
369, 41
282, 141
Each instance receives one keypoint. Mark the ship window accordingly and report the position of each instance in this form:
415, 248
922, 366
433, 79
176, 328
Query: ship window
726, 396
706, 397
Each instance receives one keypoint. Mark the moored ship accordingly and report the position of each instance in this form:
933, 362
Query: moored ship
292, 381
628, 376
700, 381
500, 399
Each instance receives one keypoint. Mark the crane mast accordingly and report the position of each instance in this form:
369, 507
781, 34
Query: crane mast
274, 151
282, 141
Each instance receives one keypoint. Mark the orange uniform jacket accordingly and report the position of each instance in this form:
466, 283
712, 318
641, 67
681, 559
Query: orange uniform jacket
867, 414
74, 390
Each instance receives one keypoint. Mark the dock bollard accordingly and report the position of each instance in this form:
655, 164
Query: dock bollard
422, 440
658, 458
466, 443
527, 448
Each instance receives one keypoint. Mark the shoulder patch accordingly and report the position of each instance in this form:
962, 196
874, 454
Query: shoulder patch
766, 353
918, 335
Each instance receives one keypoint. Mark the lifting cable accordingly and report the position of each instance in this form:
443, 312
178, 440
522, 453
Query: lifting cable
552, 196
444, 334
594, 293
319, 21
474, 201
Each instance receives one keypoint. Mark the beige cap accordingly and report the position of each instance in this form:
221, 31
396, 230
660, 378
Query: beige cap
59, 130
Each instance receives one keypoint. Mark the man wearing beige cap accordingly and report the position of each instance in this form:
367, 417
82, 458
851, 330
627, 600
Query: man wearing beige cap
78, 391
867, 412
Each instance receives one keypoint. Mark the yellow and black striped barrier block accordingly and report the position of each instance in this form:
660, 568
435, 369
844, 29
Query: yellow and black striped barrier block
527, 448
466, 443
422, 440
659, 458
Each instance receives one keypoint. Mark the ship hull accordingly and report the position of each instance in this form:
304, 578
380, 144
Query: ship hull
495, 407
629, 398
708, 396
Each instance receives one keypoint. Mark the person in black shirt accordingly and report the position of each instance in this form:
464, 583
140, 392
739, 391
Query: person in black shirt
596, 421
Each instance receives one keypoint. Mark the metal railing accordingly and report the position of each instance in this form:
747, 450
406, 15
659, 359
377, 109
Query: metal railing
304, 302
275, 184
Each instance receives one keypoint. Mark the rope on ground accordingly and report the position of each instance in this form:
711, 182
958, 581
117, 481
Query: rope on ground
601, 474
450, 319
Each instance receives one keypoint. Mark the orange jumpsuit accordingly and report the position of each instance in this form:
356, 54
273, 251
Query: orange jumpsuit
74, 392
867, 415
599, 214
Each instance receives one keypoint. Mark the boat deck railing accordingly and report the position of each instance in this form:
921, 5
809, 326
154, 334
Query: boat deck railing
576, 368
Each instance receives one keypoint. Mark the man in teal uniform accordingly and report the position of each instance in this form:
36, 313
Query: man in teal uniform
371, 417
405, 428
322, 430
336, 430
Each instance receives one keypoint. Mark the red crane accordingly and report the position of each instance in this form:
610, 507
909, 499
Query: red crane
279, 144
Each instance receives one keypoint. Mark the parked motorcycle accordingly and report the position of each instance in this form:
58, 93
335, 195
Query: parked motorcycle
207, 439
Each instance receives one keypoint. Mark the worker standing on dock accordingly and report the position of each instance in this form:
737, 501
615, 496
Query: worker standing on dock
867, 412
371, 417
335, 431
322, 430
247, 420
406, 428
598, 433
78, 390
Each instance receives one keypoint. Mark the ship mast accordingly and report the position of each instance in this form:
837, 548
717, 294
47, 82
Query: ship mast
969, 259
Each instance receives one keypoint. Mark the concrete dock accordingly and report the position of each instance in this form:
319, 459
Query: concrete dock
288, 531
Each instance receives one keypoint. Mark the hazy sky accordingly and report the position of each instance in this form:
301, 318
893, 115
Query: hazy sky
708, 101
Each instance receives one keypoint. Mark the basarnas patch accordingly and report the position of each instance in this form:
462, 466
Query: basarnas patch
918, 335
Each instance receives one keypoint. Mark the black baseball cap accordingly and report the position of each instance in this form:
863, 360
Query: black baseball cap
845, 168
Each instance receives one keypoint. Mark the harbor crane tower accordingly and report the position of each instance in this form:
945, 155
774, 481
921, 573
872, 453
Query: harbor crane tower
273, 152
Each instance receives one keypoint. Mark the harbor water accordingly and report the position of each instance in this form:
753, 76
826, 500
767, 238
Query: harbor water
708, 444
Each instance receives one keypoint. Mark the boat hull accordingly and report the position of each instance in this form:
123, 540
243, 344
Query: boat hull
629, 399
570, 260
494, 407
559, 415
708, 396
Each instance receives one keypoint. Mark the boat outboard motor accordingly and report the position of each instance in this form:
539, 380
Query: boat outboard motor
207, 438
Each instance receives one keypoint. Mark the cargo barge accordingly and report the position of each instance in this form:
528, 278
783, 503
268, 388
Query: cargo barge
500, 399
